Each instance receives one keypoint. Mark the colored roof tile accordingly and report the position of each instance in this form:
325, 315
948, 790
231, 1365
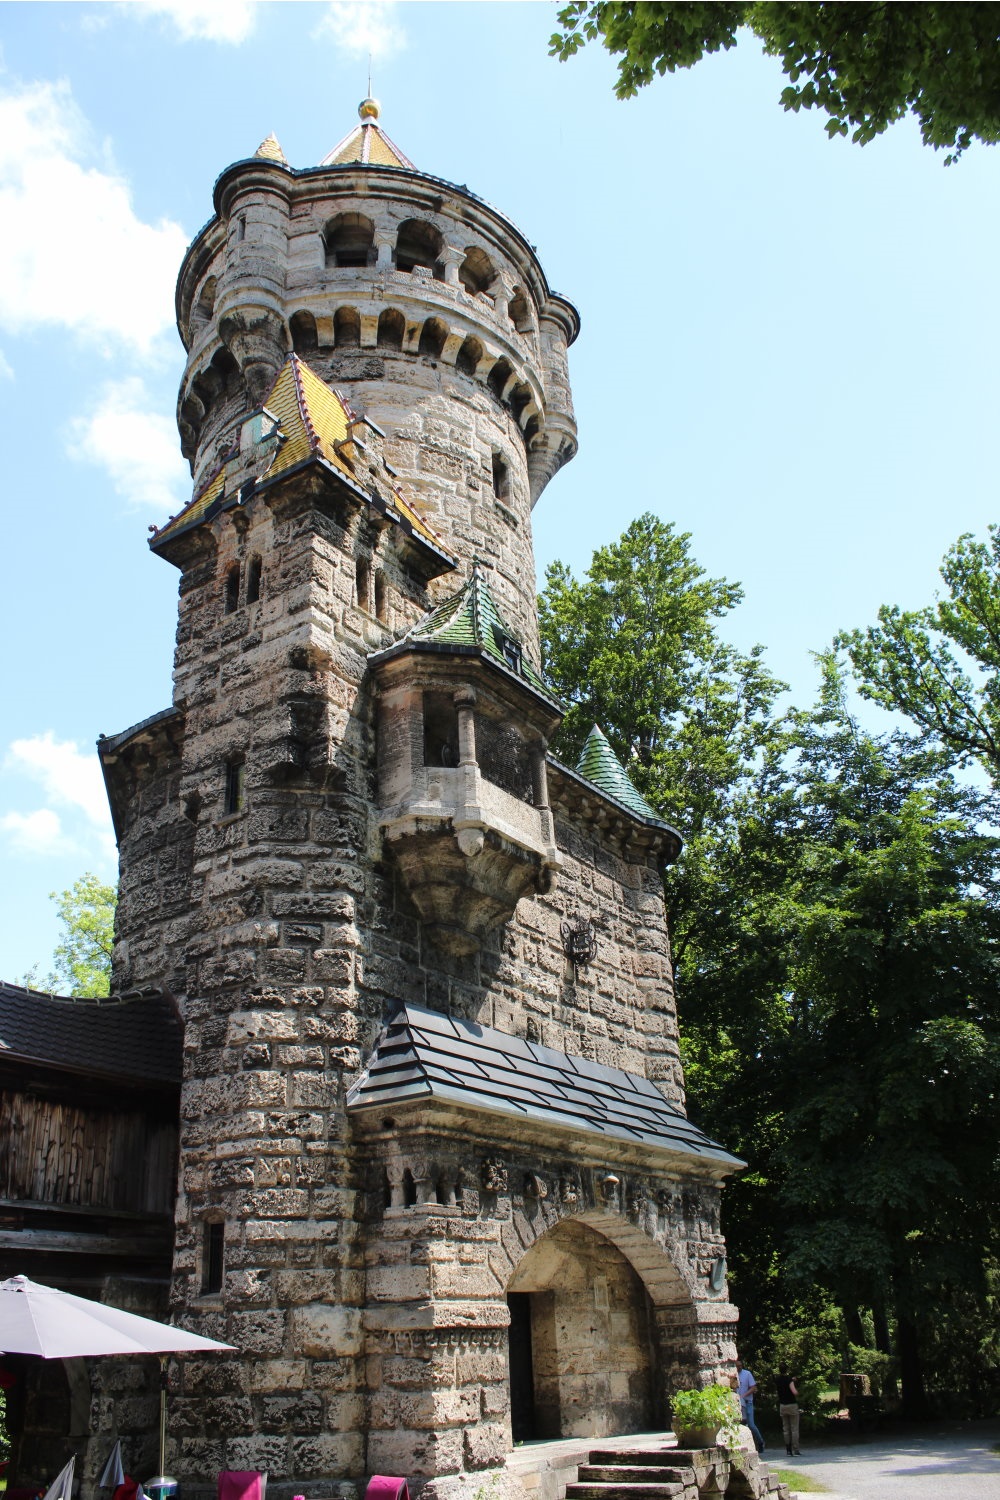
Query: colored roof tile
471, 618
367, 144
600, 765
426, 1054
301, 418
270, 150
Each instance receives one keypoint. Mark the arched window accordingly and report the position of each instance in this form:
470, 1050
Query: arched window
519, 398
363, 583
418, 244
476, 271
232, 588
519, 309
346, 328
391, 328
469, 356
253, 580
498, 377
350, 241
205, 305
432, 338
303, 330
381, 598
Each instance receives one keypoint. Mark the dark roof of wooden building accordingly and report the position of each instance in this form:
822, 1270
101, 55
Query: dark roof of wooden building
135, 1037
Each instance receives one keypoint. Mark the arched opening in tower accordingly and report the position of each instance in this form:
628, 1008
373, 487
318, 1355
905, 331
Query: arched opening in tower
349, 241
418, 244
581, 1339
477, 271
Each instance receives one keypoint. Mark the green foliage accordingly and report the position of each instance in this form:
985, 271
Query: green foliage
807, 1345
865, 66
836, 925
714, 1406
940, 666
874, 1363
83, 954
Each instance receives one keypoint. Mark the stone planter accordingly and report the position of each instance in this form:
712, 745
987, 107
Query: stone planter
696, 1437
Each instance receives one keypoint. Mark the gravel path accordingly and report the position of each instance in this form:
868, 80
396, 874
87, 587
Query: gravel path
947, 1463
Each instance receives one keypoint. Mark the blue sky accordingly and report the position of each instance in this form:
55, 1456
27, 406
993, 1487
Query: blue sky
788, 345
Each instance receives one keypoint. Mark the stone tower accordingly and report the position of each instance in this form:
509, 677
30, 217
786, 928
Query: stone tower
435, 1181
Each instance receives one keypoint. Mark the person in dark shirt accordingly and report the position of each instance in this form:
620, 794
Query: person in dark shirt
788, 1409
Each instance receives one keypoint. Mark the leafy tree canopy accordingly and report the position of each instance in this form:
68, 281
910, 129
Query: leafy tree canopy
83, 954
864, 65
940, 666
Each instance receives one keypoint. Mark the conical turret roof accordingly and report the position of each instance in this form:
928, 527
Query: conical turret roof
367, 144
471, 618
270, 150
600, 765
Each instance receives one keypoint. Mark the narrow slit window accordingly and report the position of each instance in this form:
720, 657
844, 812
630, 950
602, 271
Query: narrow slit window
381, 599
213, 1257
233, 589
501, 484
253, 580
363, 579
235, 786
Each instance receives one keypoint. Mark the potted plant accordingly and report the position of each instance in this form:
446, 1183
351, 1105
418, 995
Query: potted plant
701, 1418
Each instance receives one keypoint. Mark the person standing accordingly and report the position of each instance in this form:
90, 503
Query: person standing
745, 1389
788, 1409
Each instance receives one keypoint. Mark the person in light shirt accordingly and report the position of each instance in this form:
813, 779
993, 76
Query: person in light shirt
745, 1388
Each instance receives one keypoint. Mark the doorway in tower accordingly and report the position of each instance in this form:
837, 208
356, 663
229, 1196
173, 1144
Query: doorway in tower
581, 1340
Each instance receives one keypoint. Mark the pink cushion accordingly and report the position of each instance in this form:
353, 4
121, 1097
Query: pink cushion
386, 1487
242, 1484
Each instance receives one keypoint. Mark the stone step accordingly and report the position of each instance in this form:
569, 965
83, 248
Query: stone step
628, 1491
632, 1455
629, 1473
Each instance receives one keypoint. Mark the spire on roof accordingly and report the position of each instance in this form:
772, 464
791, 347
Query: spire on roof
367, 144
599, 764
270, 150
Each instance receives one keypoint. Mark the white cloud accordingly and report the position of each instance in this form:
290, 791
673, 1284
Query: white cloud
360, 27
204, 20
136, 444
73, 253
69, 776
6, 368
36, 833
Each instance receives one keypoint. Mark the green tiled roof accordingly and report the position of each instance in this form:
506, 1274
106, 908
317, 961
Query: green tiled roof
471, 618
600, 764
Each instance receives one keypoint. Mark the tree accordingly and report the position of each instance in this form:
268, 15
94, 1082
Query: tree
864, 65
886, 1163
633, 647
940, 666
83, 954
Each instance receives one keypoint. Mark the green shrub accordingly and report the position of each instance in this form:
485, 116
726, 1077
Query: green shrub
714, 1406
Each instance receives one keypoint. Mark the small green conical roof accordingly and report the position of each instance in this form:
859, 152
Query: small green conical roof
600, 765
471, 618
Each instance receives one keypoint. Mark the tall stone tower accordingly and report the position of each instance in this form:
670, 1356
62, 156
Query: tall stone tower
436, 1182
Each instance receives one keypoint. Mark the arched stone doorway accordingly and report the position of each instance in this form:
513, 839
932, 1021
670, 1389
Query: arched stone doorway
582, 1339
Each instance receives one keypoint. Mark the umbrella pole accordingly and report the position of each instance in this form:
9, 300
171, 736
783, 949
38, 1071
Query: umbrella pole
163, 1413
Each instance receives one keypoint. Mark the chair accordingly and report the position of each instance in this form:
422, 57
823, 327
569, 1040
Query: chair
242, 1484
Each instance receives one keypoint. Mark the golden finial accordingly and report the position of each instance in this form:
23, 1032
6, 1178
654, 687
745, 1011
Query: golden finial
369, 109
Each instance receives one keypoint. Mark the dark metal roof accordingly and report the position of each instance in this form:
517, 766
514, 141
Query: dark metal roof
132, 1038
424, 1054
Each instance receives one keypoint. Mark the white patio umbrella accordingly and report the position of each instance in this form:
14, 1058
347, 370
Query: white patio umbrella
61, 1487
113, 1473
36, 1319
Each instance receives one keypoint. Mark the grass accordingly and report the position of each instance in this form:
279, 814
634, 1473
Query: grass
803, 1484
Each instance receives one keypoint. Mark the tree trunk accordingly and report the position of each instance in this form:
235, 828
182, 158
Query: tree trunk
911, 1370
